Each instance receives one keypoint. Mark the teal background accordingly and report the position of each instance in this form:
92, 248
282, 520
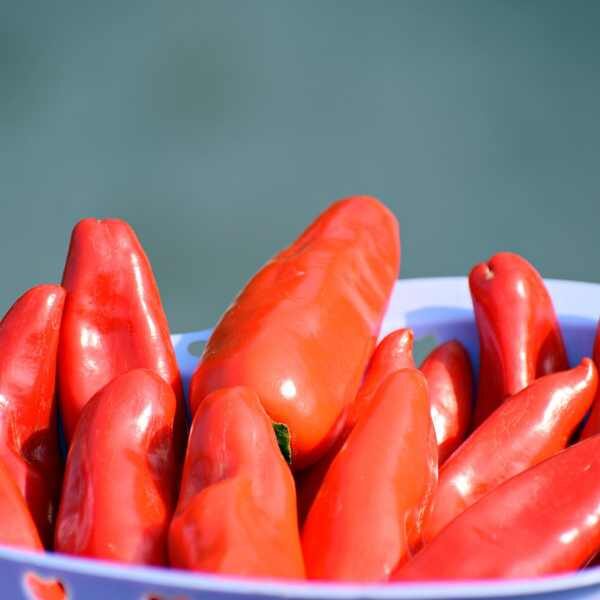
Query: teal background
220, 129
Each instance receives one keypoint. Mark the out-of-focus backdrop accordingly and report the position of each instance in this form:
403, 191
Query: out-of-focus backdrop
220, 129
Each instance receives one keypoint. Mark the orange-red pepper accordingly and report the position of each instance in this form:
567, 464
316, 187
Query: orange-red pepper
368, 514
113, 318
519, 335
449, 377
545, 520
303, 329
592, 426
120, 483
526, 429
237, 506
393, 353
30, 451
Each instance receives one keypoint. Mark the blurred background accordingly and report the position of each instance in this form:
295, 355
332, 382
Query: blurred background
220, 129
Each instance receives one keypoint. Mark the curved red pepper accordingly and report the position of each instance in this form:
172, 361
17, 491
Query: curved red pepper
120, 483
367, 516
237, 506
28, 345
17, 527
531, 426
545, 520
592, 427
302, 330
393, 353
450, 380
519, 335
113, 319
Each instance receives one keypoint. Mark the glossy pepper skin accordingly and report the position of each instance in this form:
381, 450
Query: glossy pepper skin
17, 527
367, 516
28, 344
236, 513
393, 353
592, 426
303, 329
113, 319
519, 335
450, 380
120, 484
526, 429
545, 520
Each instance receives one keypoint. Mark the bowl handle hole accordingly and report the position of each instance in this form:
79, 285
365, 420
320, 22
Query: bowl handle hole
37, 587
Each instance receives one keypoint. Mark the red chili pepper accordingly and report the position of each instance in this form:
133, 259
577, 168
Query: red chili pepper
450, 380
519, 335
120, 483
237, 506
592, 427
545, 520
367, 516
302, 331
393, 353
531, 426
17, 527
113, 319
28, 344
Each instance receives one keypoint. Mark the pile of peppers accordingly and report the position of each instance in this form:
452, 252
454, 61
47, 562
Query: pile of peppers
313, 451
